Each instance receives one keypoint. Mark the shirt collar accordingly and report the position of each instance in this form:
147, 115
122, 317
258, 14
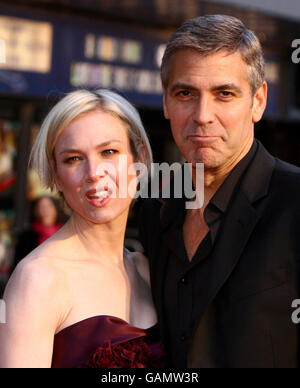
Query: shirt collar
173, 209
223, 195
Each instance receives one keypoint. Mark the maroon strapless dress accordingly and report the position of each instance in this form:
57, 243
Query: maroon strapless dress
107, 342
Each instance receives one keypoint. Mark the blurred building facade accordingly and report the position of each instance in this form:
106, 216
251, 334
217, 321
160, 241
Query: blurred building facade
50, 47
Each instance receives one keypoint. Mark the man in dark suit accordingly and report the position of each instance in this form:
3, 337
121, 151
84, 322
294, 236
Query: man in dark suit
224, 276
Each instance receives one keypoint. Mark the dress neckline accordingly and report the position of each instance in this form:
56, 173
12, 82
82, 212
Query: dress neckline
93, 336
102, 316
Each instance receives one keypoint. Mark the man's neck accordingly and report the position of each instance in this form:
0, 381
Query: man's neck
214, 178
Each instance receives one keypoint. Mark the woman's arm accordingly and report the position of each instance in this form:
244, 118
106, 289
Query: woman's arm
32, 315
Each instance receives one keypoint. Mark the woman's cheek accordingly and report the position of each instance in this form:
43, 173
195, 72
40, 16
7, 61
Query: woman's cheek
125, 175
68, 181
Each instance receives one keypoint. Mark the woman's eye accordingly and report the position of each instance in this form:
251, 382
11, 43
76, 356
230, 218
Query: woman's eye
109, 152
72, 159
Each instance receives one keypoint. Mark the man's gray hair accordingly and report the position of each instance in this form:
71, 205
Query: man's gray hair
213, 33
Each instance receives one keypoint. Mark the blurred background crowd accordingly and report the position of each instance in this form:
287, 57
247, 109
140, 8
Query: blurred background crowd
50, 47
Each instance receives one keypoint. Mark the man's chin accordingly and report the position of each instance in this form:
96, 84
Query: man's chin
207, 157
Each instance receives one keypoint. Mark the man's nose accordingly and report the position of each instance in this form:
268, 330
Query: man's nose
203, 111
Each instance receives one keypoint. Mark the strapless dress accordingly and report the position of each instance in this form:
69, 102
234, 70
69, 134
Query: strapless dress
107, 342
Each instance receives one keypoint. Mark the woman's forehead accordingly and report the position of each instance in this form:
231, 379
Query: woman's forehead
94, 128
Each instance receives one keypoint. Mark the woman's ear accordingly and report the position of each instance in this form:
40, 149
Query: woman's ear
142, 154
141, 167
54, 175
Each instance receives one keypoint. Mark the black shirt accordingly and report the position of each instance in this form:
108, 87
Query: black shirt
186, 280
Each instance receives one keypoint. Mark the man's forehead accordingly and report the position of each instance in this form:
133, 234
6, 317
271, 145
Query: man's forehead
221, 53
213, 70
198, 60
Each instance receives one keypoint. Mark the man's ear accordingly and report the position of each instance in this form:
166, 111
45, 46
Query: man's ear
259, 102
165, 103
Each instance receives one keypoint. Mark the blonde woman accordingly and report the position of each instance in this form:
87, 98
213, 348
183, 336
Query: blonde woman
80, 299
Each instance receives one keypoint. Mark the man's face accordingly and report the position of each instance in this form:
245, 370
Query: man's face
210, 107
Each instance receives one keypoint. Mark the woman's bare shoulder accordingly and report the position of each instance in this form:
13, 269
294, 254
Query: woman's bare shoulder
45, 262
34, 275
35, 306
37, 280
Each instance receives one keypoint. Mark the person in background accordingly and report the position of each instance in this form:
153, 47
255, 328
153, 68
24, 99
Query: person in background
225, 275
80, 299
7, 175
6, 163
7, 181
46, 219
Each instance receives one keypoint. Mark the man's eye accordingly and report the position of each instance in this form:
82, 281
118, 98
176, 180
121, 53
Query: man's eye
183, 93
225, 93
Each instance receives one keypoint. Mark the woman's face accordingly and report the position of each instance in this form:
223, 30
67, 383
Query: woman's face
45, 211
92, 158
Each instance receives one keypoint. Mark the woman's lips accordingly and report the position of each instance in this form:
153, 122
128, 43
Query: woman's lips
98, 197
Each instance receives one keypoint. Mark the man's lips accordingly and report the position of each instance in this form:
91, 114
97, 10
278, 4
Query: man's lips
202, 139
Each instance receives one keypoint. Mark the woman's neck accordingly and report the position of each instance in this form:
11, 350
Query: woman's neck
102, 242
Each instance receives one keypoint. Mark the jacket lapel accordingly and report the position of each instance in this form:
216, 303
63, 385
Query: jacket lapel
168, 213
239, 222
233, 237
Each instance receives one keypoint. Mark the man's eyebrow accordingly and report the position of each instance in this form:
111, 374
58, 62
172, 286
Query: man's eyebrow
228, 86
181, 85
104, 144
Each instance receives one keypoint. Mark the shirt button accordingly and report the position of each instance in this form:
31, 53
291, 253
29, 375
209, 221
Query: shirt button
183, 280
183, 338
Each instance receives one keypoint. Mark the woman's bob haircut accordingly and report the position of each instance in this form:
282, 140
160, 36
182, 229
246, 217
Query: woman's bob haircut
75, 105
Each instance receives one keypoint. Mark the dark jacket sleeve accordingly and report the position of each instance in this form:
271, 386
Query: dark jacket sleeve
149, 224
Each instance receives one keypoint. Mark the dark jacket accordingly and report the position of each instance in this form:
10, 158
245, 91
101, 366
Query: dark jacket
246, 320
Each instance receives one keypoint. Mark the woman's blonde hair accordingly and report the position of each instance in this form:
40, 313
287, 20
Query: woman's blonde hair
75, 105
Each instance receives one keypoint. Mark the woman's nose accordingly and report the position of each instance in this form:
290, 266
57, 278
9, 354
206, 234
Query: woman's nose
97, 170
